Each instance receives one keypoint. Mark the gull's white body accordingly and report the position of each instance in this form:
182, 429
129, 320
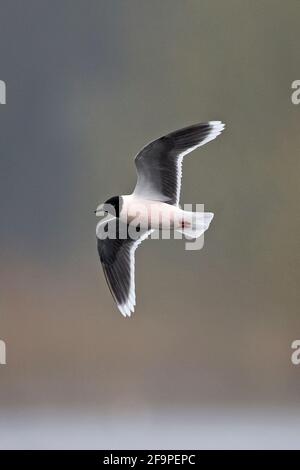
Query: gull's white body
157, 215
151, 214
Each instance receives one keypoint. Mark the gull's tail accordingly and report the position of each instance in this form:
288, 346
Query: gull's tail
195, 224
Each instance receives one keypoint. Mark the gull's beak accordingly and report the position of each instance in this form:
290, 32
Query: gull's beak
100, 210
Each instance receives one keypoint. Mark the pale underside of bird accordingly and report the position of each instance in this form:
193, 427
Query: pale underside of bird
157, 192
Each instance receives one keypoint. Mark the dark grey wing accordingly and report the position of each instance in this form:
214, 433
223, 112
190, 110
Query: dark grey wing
159, 163
116, 248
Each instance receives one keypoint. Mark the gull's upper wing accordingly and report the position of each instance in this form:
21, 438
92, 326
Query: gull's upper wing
116, 248
159, 163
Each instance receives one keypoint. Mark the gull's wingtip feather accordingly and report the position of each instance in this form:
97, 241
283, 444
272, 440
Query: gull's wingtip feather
216, 128
126, 309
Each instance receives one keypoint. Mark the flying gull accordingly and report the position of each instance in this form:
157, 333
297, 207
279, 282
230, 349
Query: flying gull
153, 205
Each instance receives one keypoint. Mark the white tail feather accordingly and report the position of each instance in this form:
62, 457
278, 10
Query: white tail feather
197, 224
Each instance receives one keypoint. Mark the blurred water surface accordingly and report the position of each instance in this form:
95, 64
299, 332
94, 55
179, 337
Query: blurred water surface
168, 429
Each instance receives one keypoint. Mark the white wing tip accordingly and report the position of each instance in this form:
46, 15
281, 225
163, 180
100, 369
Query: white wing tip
126, 309
217, 124
217, 129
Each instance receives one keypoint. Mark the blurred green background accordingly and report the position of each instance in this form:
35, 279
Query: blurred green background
88, 84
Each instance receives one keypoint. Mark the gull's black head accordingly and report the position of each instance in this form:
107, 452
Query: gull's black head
112, 206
